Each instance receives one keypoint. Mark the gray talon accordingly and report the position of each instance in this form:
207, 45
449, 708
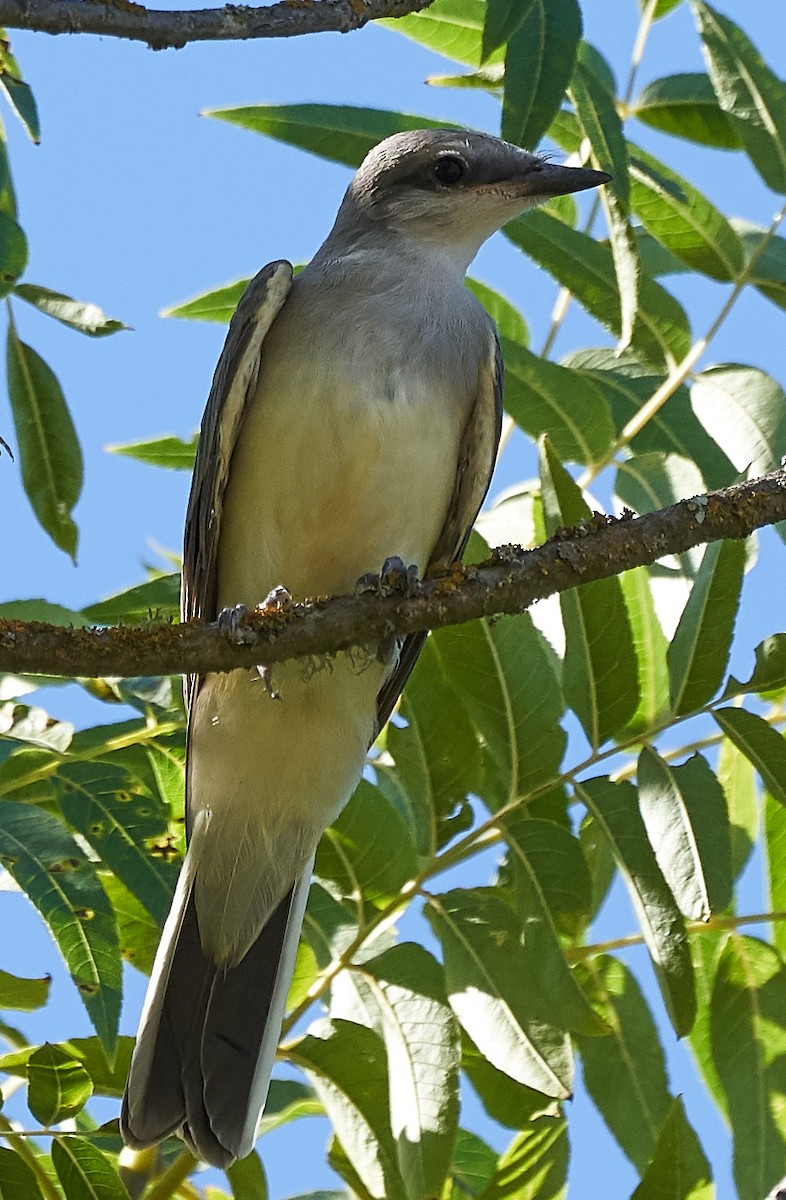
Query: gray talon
279, 597
230, 624
395, 578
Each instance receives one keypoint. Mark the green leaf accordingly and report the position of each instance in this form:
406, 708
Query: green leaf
748, 1024
761, 745
686, 106
488, 79
84, 1172
125, 827
539, 64
662, 7
216, 305
76, 314
699, 650
615, 809
288, 1099
107, 1080
744, 410
752, 97
625, 1073
348, 1067
543, 397
599, 674
586, 268
505, 676
508, 320
679, 1169
58, 1086
736, 777
535, 1164
23, 995
17, 92
503, 18
549, 876
647, 482
682, 219
769, 672
17, 1180
139, 934
247, 1178
437, 753
474, 1163
13, 253
157, 598
168, 451
650, 643
768, 273
354, 854
404, 994
339, 133
41, 610
54, 871
706, 948
684, 811
628, 385
775, 847
602, 126
453, 28
49, 453
507, 1102
484, 966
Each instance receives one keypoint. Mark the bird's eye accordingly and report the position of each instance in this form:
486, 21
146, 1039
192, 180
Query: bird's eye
449, 170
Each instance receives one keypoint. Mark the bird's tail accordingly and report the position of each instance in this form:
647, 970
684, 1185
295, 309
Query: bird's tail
208, 1034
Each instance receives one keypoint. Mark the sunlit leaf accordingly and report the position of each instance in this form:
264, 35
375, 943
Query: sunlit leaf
615, 809
599, 675
651, 645
58, 1085
23, 995
682, 219
748, 1022
686, 105
699, 650
586, 268
158, 599
348, 1067
49, 453
762, 745
453, 28
752, 97
684, 811
484, 966
247, 1178
76, 314
46, 862
535, 1164
679, 1169
84, 1172
625, 1073
744, 410
217, 305
539, 64
170, 451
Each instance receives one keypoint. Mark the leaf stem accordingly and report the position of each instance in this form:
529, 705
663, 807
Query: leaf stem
577, 953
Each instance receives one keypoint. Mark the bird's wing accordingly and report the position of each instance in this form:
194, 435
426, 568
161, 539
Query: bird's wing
477, 454
234, 383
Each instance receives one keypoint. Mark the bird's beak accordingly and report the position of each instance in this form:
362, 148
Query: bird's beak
545, 179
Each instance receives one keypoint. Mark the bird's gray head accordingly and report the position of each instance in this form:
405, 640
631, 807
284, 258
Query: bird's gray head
451, 188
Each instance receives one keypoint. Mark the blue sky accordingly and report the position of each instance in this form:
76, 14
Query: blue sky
135, 201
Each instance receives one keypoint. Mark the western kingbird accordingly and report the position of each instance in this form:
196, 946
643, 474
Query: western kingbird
354, 417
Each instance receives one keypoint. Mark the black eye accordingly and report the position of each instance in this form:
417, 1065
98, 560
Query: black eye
449, 170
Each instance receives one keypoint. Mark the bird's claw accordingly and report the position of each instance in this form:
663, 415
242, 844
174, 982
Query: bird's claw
230, 624
395, 578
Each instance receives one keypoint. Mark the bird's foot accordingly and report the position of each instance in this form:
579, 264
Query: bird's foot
278, 598
395, 579
230, 624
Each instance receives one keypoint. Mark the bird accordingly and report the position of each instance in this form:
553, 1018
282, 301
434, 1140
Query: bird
353, 421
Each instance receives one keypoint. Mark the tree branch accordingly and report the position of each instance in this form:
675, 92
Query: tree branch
509, 582
162, 30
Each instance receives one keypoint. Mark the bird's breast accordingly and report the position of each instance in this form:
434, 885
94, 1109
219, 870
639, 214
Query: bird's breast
347, 455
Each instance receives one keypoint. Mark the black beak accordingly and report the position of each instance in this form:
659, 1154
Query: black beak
547, 179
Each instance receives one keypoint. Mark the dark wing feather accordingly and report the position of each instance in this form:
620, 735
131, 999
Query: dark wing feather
234, 382
477, 454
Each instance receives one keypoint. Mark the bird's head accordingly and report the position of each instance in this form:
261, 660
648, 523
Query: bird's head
453, 188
